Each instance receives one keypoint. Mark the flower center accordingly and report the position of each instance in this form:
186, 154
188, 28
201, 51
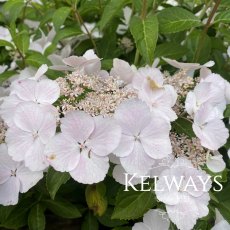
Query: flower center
14, 173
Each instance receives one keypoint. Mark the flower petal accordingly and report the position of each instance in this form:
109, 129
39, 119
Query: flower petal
137, 161
27, 178
133, 116
105, 137
91, 169
63, 153
47, 91
77, 124
9, 192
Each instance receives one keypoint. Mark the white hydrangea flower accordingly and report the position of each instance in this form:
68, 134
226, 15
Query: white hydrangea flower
154, 218
220, 223
209, 128
3, 68
205, 92
215, 163
93, 30
181, 187
122, 28
228, 51
188, 67
123, 70
5, 34
26, 140
224, 85
34, 89
40, 45
160, 98
89, 64
58, 59
14, 178
144, 137
83, 146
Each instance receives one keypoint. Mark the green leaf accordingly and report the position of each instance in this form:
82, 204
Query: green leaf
106, 220
12, 9
145, 33
132, 204
66, 33
90, 222
5, 75
19, 215
36, 219
6, 43
199, 46
170, 50
60, 16
22, 41
112, 8
227, 111
183, 126
62, 208
96, 198
54, 180
175, 19
122, 228
5, 212
223, 17
36, 60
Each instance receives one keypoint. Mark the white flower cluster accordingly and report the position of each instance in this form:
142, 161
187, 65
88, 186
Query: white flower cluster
136, 138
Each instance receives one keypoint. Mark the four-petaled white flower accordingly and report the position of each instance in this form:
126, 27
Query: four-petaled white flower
5, 34
14, 178
122, 28
216, 79
83, 146
33, 129
205, 92
34, 89
89, 64
123, 71
160, 98
144, 137
153, 219
209, 128
184, 186
40, 45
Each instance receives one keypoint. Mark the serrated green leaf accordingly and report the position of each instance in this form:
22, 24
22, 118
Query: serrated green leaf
223, 17
62, 208
183, 126
175, 19
145, 33
36, 218
90, 222
132, 204
60, 16
112, 8
170, 50
54, 180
